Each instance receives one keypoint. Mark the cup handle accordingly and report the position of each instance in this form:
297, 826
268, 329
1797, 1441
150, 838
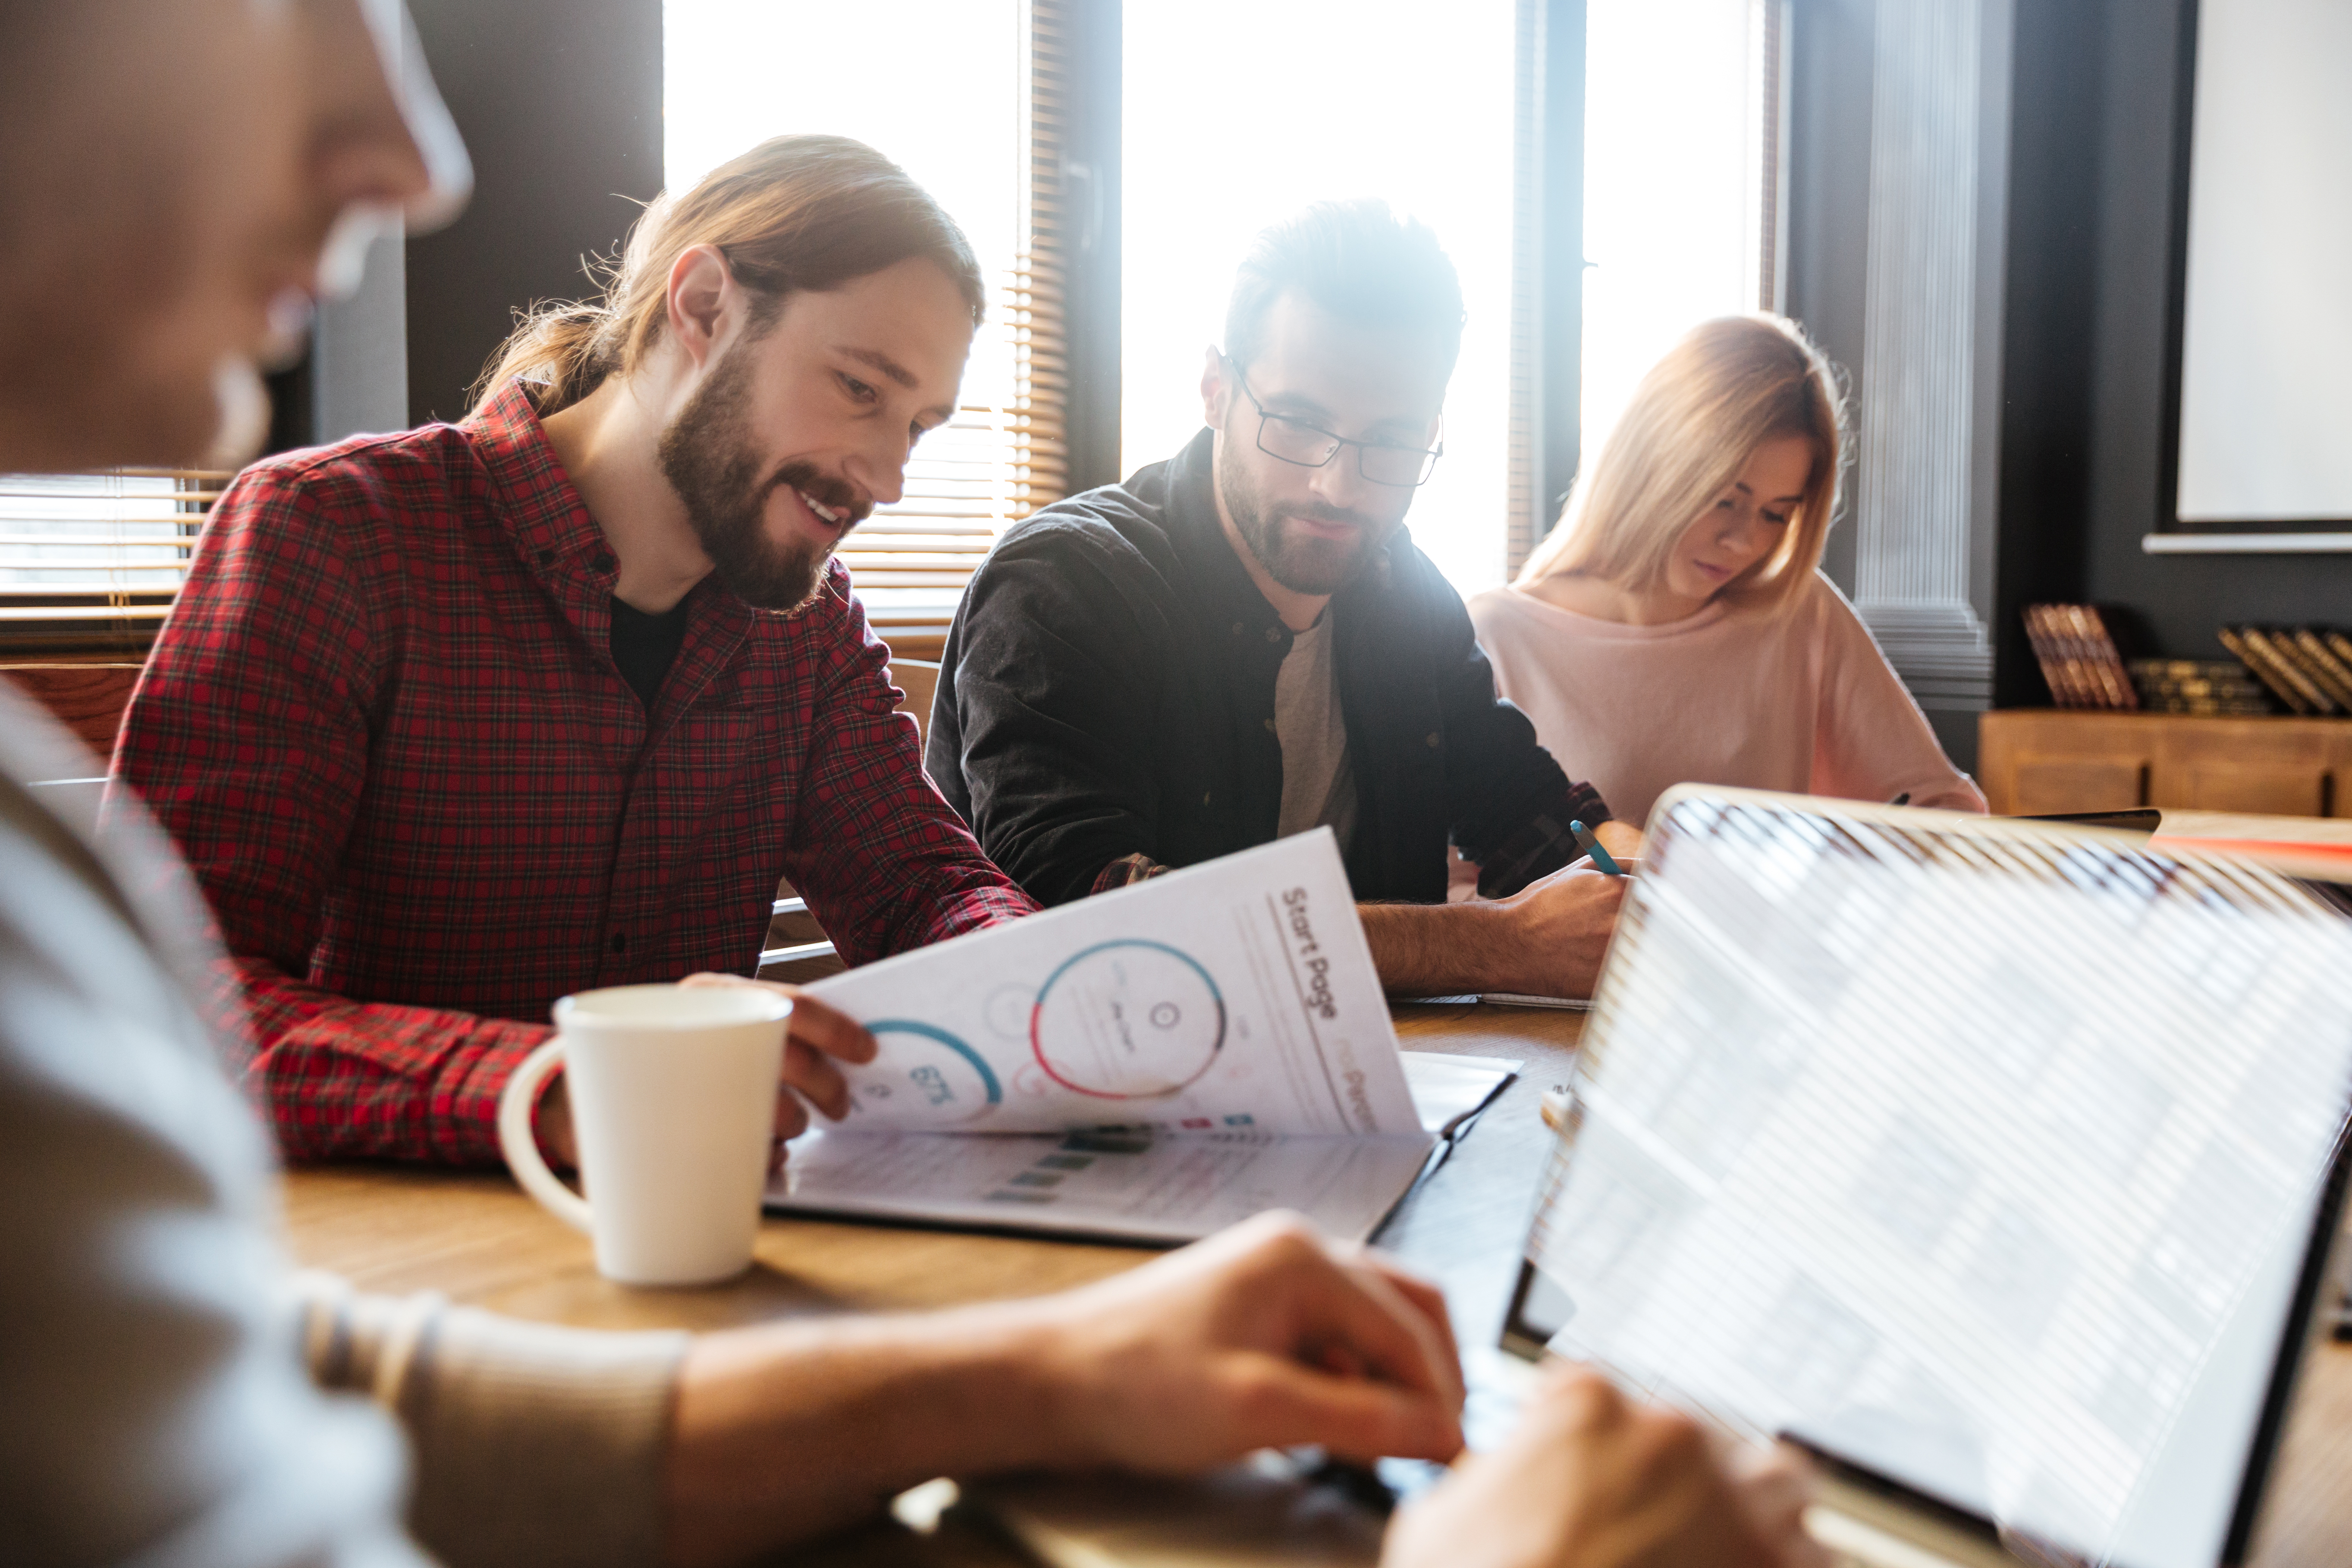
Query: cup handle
522, 1149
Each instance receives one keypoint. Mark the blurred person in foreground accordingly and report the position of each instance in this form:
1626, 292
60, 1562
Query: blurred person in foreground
173, 171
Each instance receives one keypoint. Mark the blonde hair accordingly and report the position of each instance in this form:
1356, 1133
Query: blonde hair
794, 213
1727, 387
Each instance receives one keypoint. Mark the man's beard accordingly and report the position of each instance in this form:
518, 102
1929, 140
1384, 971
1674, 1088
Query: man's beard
710, 460
1302, 564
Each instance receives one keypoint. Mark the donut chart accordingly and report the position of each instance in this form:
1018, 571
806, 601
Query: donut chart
1130, 1019
925, 1077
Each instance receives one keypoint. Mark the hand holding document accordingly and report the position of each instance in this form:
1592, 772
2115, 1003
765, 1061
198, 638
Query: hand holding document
1238, 993
1226, 1020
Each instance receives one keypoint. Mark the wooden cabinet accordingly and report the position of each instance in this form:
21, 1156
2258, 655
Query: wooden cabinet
2036, 761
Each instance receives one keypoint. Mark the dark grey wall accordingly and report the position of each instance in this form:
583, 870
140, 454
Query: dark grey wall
560, 103
2049, 341
1829, 199
2091, 383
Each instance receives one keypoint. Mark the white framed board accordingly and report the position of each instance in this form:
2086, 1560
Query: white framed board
2265, 430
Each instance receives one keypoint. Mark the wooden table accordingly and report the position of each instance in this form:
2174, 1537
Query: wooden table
478, 1240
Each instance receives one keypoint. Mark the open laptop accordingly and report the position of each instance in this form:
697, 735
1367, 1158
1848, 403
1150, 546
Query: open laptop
1996, 1163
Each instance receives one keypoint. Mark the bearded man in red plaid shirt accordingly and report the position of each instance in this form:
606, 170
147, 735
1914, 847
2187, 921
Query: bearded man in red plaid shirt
453, 722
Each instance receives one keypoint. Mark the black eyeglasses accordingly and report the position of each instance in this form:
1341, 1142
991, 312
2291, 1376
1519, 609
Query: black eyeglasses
1311, 446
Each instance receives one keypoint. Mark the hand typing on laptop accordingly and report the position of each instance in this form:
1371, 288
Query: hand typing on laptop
1593, 1480
1264, 1336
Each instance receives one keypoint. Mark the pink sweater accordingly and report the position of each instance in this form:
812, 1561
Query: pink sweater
1799, 701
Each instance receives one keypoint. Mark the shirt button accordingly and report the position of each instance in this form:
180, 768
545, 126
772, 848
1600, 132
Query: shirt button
1269, 727
602, 562
1204, 797
620, 941
1237, 628
547, 558
1274, 634
1431, 740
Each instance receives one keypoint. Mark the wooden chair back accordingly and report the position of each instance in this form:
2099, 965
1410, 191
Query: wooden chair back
921, 681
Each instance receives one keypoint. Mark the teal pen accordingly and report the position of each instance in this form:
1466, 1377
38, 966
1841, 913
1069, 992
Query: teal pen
1601, 860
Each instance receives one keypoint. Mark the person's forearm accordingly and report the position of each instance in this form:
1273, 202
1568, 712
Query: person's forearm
1423, 949
786, 1431
1263, 1336
1549, 940
347, 1080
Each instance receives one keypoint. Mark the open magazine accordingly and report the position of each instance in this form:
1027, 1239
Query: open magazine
1151, 1064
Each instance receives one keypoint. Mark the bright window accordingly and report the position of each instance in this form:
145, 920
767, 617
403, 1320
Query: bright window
1236, 115
1239, 113
946, 109
90, 560
1675, 155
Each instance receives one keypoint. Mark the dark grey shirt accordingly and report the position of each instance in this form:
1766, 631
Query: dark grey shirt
1108, 691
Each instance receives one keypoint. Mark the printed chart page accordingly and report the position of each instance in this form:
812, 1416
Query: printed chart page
1142, 1184
1234, 997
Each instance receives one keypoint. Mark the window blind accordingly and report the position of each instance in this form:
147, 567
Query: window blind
92, 560
1004, 454
1530, 513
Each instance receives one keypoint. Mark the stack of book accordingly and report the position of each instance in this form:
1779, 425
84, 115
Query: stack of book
2078, 657
2200, 686
2310, 671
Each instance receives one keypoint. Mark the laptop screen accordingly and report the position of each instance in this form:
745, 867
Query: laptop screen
1996, 1159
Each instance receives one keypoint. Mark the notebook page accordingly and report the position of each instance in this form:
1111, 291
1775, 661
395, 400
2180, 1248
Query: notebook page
1136, 1183
1141, 1184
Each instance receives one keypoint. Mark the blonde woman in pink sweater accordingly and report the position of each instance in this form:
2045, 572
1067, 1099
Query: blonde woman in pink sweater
1676, 627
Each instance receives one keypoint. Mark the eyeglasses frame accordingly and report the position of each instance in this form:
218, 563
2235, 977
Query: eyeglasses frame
1429, 455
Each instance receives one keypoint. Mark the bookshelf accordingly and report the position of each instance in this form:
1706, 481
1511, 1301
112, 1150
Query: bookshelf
2034, 761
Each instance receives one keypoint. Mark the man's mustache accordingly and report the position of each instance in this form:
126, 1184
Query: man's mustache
835, 495
1327, 514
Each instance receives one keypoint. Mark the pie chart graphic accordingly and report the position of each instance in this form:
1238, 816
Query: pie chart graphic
924, 1077
1128, 1020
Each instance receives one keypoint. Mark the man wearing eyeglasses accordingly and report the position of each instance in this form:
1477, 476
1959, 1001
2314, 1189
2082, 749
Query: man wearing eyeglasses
1242, 643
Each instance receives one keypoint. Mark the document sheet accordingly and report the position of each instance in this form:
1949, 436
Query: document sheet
1232, 996
1983, 1155
1153, 1063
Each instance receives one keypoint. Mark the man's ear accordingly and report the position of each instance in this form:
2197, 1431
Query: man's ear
700, 289
1215, 394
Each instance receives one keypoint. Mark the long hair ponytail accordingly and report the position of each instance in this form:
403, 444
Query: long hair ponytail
794, 213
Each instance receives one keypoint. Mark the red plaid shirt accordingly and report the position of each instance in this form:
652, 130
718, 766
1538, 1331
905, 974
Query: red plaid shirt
384, 727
